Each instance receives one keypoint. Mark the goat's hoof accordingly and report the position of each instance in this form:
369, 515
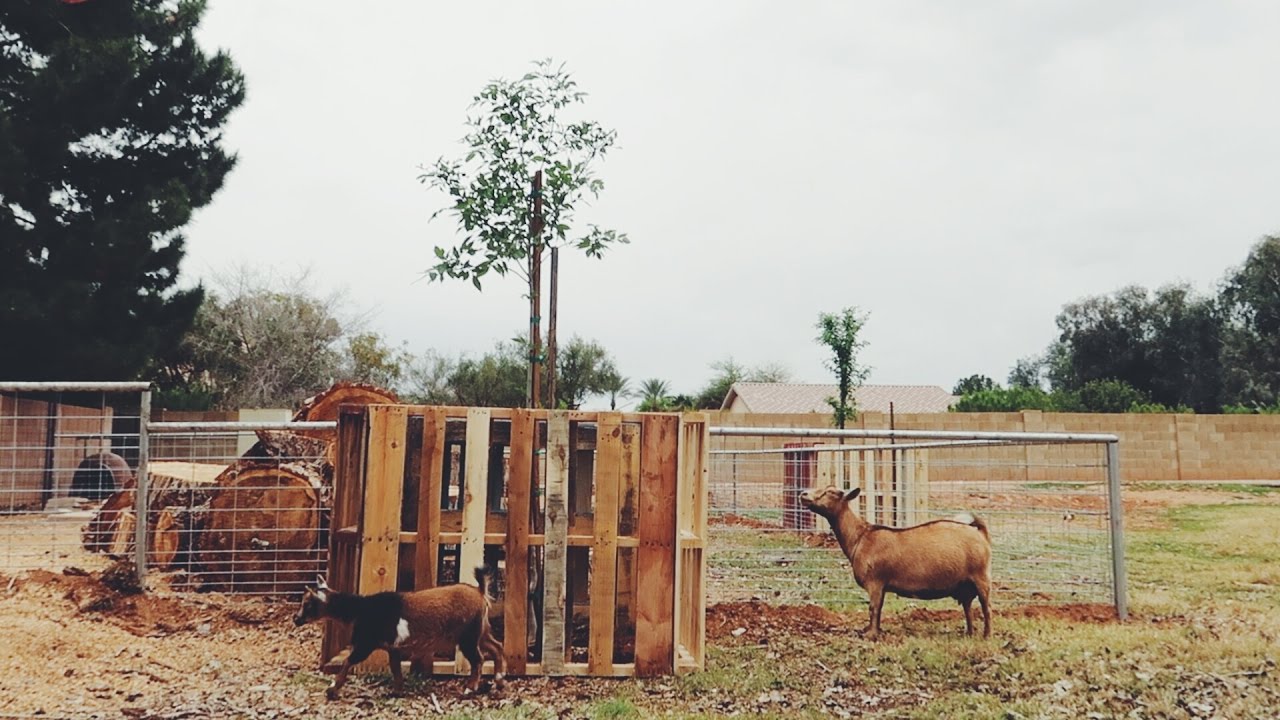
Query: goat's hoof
331, 693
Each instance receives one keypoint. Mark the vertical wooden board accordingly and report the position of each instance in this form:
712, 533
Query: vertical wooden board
656, 562
384, 480
628, 498
907, 476
605, 543
922, 483
475, 493
826, 469
869, 485
515, 609
692, 490
555, 558
430, 479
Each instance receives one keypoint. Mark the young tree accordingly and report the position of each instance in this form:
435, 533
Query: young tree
517, 128
839, 333
110, 137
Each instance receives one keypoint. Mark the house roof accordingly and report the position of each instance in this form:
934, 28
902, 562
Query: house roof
806, 398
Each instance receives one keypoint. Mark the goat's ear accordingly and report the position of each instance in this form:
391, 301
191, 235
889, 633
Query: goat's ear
852, 494
320, 583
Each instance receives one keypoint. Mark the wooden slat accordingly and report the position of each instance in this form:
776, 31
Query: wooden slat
383, 486
519, 485
655, 563
694, 489
348, 488
922, 484
628, 498
430, 479
605, 549
869, 485
555, 554
907, 479
475, 493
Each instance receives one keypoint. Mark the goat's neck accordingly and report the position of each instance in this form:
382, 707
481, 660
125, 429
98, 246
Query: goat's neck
849, 529
342, 606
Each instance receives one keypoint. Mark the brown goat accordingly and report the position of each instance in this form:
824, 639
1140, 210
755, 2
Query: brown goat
411, 625
936, 559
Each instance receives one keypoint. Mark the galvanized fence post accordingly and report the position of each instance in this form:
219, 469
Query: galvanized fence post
141, 500
1119, 577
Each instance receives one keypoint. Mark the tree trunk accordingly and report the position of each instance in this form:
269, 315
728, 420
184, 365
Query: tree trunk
263, 528
173, 535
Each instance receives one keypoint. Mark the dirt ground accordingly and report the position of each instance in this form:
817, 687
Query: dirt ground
73, 647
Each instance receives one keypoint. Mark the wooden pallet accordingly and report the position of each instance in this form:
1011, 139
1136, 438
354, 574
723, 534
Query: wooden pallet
608, 510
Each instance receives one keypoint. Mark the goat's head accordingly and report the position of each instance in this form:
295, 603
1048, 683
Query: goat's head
314, 602
829, 502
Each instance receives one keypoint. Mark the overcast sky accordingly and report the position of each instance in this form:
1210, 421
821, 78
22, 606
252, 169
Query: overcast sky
958, 173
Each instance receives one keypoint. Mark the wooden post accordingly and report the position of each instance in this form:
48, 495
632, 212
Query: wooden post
552, 402
535, 294
348, 488
555, 557
514, 640
655, 613
605, 543
475, 505
869, 485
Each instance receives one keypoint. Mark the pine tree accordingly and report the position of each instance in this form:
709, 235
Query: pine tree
110, 136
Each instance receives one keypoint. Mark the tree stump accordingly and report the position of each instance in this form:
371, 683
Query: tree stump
263, 528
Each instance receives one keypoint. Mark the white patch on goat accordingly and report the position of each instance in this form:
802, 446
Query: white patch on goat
402, 632
321, 596
966, 518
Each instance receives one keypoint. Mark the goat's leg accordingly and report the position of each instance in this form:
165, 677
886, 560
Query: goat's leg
397, 674
358, 655
967, 602
490, 646
984, 598
875, 593
471, 651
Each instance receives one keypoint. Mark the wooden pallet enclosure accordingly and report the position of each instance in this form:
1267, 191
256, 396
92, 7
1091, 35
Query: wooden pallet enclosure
596, 520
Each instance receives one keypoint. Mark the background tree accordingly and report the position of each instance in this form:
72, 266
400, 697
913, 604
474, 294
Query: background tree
839, 333
1167, 346
1250, 302
655, 395
615, 386
972, 384
261, 341
497, 379
369, 359
1027, 372
427, 377
582, 370
110, 136
516, 128
728, 372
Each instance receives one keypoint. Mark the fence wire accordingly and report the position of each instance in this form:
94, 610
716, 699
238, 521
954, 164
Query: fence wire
1046, 506
63, 454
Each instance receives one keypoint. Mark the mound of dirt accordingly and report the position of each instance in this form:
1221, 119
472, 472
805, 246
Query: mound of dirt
754, 622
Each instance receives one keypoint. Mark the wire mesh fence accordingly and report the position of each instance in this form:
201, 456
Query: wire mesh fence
238, 507
65, 451
1048, 504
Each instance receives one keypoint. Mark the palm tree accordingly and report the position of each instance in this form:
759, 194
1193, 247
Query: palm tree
655, 393
616, 386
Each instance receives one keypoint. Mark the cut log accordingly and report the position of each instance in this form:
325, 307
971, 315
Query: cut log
173, 535
101, 528
122, 535
263, 528
288, 446
326, 405
179, 484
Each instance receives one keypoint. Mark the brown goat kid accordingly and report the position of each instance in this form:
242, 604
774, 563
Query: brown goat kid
936, 559
411, 625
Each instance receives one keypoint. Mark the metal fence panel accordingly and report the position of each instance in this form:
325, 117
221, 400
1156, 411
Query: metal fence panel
1047, 504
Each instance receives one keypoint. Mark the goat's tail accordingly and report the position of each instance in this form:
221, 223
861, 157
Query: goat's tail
483, 574
981, 525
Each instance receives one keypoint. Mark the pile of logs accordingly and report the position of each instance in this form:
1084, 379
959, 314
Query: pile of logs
256, 525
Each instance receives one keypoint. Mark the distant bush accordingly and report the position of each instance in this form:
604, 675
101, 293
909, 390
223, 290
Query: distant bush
1096, 396
1005, 400
1251, 409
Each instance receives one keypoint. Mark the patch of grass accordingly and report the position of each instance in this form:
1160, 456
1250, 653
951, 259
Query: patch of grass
614, 709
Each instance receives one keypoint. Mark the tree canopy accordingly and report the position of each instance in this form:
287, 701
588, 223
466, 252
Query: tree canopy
111, 123
838, 332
